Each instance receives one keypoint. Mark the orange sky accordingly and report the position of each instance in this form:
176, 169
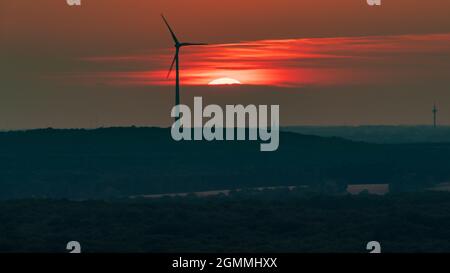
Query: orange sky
58, 59
116, 25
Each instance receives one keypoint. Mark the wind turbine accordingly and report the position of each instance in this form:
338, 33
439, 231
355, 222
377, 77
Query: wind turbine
435, 111
178, 45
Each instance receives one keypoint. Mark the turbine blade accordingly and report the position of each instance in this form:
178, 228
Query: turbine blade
174, 37
171, 66
192, 44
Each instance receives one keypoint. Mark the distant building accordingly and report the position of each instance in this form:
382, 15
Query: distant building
380, 189
441, 187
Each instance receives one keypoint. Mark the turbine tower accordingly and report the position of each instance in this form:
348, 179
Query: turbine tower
435, 110
176, 61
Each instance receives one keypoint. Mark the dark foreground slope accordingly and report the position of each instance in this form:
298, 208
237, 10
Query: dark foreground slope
118, 162
274, 221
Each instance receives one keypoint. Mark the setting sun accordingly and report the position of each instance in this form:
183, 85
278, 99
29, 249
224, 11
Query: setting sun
224, 81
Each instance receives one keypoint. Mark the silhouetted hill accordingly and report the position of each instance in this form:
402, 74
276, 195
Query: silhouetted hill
379, 134
117, 162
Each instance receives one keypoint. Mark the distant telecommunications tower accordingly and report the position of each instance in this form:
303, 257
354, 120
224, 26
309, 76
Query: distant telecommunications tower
435, 110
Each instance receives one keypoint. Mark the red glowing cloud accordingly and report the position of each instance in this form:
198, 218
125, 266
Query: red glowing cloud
285, 63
